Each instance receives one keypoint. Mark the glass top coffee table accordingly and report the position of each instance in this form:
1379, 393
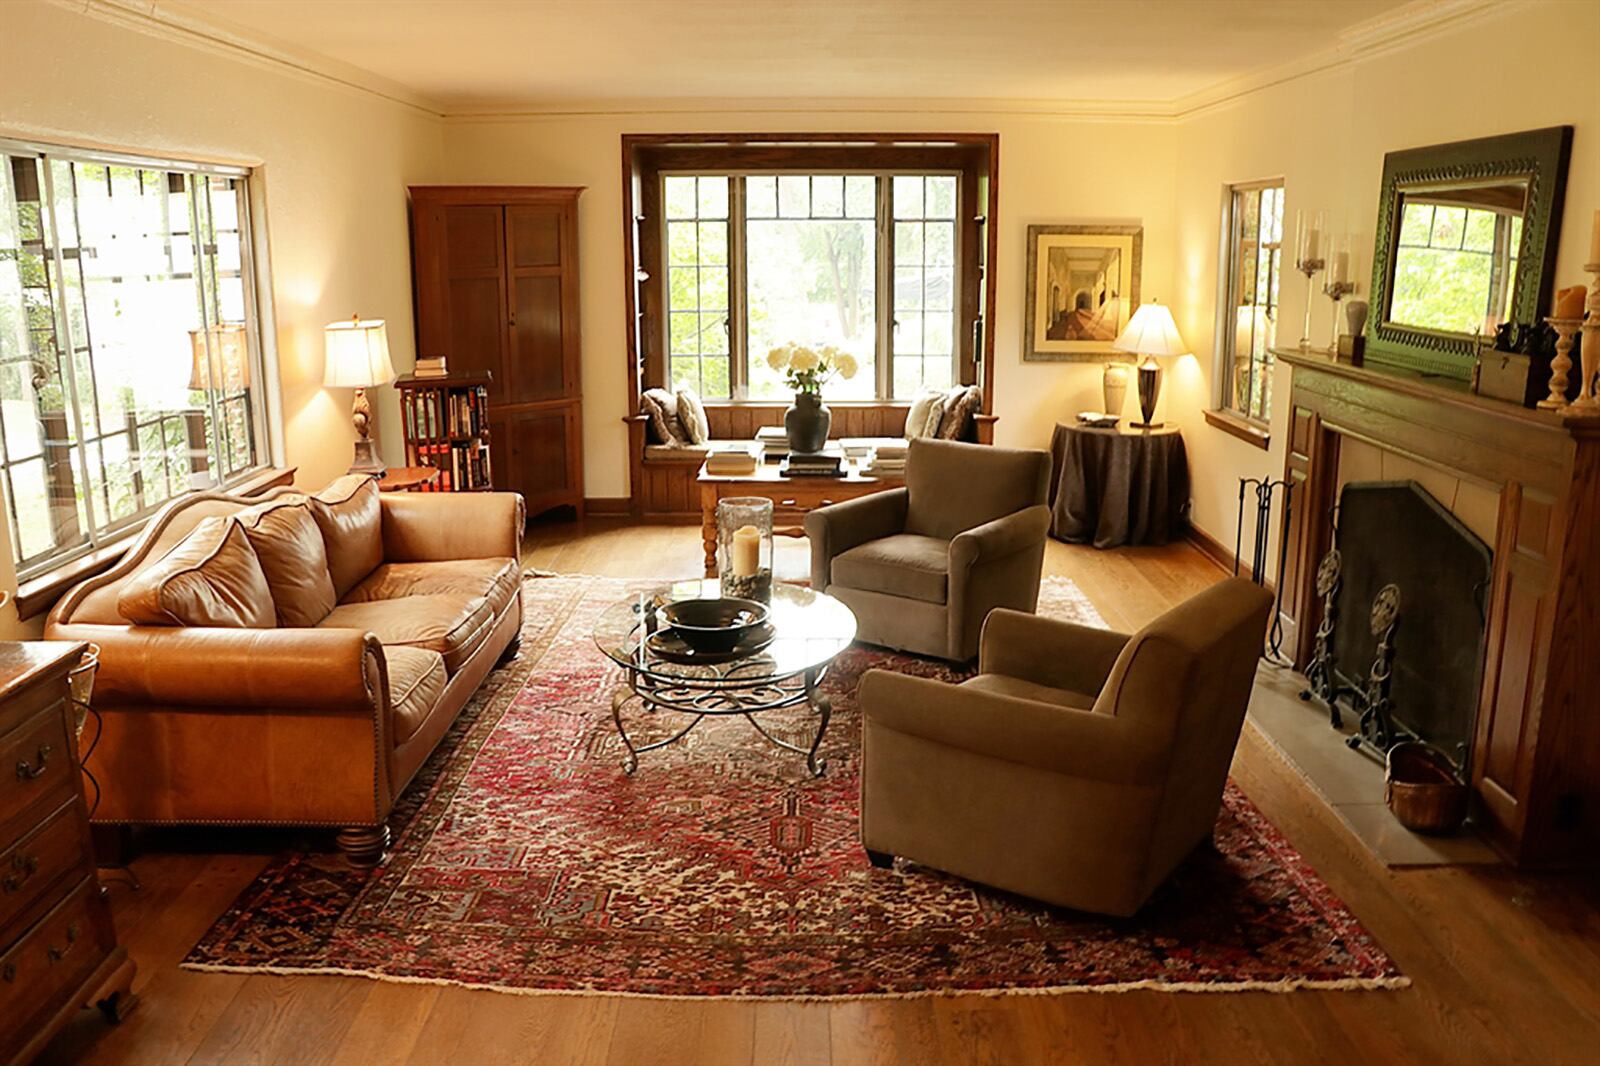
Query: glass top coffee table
809, 629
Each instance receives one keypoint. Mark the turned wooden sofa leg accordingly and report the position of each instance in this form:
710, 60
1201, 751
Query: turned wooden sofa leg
364, 845
881, 859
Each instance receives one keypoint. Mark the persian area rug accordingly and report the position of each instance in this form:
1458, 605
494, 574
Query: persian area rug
526, 861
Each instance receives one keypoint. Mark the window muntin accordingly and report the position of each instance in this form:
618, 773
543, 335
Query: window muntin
866, 262
1249, 326
1447, 258
113, 271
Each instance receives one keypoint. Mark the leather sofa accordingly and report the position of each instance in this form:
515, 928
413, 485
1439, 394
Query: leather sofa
1080, 766
293, 660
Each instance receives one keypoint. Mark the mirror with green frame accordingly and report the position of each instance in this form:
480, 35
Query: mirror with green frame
1465, 242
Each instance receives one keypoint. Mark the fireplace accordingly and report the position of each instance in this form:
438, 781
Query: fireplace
1418, 674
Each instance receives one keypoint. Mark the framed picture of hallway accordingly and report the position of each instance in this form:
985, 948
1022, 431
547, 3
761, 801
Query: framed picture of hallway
1083, 285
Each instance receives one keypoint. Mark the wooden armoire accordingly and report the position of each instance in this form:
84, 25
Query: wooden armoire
495, 276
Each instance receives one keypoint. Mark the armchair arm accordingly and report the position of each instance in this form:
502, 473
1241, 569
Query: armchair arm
423, 527
842, 526
329, 669
1048, 652
999, 538
1084, 744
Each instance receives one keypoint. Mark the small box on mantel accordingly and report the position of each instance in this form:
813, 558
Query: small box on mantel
1352, 349
1503, 375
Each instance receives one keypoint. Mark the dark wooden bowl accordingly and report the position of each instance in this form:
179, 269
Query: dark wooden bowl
713, 625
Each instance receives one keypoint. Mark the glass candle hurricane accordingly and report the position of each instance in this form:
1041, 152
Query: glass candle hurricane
744, 547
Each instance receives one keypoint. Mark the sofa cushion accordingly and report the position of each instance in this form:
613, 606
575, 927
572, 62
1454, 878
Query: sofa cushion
1001, 685
351, 520
687, 452
209, 578
494, 579
288, 543
417, 678
904, 565
454, 624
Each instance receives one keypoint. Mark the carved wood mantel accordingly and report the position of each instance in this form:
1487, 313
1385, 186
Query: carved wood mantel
1536, 745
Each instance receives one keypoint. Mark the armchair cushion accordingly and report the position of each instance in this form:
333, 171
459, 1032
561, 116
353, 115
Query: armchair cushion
452, 624
954, 486
1048, 652
293, 556
496, 580
1016, 688
209, 578
902, 564
417, 678
351, 520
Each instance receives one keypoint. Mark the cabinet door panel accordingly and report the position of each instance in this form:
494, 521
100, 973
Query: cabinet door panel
534, 456
472, 239
538, 342
476, 328
535, 236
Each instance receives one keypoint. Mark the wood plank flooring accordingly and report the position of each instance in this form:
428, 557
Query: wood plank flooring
1505, 966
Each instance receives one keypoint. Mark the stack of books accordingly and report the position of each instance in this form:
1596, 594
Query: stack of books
888, 460
732, 460
774, 440
430, 368
819, 464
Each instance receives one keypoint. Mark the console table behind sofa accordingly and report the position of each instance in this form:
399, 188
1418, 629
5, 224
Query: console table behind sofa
662, 480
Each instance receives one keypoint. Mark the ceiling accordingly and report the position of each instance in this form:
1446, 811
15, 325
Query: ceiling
484, 54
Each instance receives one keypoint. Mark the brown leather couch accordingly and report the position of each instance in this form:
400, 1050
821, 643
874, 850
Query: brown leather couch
922, 566
315, 705
1080, 766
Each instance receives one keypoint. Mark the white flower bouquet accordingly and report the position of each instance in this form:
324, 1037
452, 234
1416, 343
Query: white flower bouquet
807, 369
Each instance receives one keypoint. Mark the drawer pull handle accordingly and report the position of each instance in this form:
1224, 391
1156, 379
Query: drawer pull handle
28, 773
22, 868
57, 954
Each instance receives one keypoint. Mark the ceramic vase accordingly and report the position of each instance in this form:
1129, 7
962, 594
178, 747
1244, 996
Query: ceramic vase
1115, 385
806, 423
1355, 314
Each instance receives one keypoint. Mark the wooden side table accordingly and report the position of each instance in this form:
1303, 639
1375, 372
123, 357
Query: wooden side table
408, 478
791, 498
1118, 486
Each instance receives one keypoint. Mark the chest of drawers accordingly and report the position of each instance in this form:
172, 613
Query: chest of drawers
58, 947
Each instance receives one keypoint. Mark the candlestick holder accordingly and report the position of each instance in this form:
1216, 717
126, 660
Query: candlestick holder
1588, 404
1566, 329
1336, 291
1310, 268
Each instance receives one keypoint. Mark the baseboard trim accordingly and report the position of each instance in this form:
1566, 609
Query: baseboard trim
1213, 549
602, 505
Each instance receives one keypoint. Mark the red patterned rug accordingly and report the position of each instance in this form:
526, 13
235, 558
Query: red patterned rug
526, 861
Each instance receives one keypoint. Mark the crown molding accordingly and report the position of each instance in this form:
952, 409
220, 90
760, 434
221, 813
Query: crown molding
175, 22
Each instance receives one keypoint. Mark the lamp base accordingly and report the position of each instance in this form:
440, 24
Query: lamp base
1146, 425
367, 461
1149, 392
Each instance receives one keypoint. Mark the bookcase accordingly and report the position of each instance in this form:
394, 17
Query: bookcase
446, 422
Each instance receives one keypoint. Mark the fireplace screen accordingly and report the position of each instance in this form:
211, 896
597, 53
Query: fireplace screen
1394, 532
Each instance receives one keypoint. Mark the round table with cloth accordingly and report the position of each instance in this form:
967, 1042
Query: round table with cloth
1118, 486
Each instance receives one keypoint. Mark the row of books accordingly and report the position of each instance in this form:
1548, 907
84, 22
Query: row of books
463, 465
430, 368
434, 414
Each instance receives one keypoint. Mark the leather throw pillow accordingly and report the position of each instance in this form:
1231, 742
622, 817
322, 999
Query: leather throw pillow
692, 414
209, 578
351, 520
665, 426
293, 555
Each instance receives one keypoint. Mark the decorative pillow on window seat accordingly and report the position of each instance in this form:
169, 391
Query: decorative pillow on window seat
665, 425
692, 413
210, 578
960, 404
927, 411
293, 555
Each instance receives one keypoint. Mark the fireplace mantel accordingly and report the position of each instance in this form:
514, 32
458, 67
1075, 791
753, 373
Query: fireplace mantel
1536, 747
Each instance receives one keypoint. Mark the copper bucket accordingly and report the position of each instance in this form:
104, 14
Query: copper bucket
1423, 790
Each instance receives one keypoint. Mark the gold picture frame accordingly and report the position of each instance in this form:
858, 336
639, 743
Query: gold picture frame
1082, 287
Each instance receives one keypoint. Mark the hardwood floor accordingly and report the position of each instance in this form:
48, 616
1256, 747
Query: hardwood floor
1505, 966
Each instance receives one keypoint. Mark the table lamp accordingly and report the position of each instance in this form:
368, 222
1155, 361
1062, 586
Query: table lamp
221, 358
358, 357
1150, 333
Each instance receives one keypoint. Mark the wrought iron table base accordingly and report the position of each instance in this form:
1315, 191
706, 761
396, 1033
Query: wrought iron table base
728, 697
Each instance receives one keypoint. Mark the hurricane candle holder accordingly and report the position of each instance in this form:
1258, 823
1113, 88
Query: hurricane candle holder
1308, 259
744, 547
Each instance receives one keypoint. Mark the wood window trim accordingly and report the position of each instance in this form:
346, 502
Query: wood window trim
975, 156
1236, 425
38, 594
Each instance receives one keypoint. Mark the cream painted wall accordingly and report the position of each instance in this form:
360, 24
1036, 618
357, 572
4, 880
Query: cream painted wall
1051, 170
334, 163
1529, 66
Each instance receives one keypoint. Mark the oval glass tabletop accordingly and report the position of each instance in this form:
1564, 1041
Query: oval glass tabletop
809, 629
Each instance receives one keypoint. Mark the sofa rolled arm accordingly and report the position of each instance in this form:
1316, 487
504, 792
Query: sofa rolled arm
332, 669
1000, 537
423, 527
1047, 651
839, 527
1083, 744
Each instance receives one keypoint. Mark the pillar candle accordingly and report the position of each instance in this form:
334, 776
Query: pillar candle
746, 551
1569, 302
1341, 267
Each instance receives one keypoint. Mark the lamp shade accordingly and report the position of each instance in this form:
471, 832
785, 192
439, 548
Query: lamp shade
221, 358
1151, 332
357, 354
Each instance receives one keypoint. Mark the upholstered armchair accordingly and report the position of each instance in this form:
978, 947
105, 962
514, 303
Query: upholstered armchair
922, 566
1079, 766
